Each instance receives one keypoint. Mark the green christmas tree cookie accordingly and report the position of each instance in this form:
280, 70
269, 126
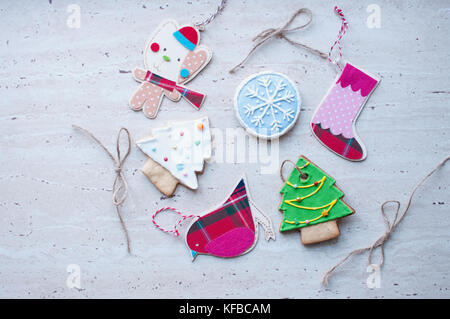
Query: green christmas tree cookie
311, 202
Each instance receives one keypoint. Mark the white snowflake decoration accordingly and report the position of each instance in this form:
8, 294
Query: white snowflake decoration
267, 104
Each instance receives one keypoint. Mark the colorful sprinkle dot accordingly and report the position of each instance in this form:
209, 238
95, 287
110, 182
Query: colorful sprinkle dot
184, 73
200, 126
299, 199
306, 221
181, 133
197, 142
180, 167
165, 159
154, 149
316, 183
154, 47
166, 58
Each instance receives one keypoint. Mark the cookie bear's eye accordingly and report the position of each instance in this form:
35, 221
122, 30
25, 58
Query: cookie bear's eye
178, 59
154, 47
164, 49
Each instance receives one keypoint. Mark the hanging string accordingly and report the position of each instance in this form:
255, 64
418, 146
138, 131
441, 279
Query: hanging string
280, 32
342, 31
390, 227
174, 230
302, 175
120, 186
201, 25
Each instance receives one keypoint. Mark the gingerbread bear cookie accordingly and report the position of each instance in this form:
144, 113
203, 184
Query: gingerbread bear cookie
172, 57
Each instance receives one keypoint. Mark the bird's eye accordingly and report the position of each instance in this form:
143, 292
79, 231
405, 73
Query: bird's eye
178, 59
164, 49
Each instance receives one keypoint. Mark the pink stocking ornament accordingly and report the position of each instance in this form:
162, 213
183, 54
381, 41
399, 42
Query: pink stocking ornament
333, 123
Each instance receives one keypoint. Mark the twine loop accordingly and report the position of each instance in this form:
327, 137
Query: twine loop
120, 186
174, 231
390, 227
280, 32
302, 175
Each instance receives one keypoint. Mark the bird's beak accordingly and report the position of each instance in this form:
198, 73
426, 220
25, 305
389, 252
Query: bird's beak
194, 254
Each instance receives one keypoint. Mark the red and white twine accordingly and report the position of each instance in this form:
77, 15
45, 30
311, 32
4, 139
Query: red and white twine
174, 230
344, 28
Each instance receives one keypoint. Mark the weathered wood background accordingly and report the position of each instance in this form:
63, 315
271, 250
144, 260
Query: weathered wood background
55, 184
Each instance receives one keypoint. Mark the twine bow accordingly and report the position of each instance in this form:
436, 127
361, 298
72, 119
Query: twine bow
280, 32
120, 186
390, 227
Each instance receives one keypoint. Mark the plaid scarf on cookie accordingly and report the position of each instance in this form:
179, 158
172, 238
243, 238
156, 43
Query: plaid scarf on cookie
193, 97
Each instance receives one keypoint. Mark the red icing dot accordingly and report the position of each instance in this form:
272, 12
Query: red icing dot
316, 183
181, 133
165, 159
154, 47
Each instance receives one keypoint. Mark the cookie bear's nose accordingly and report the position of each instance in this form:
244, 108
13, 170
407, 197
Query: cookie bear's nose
166, 58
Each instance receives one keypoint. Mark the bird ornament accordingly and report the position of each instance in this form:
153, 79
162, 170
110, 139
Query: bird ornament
228, 230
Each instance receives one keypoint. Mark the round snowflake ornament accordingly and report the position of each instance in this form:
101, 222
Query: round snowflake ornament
267, 104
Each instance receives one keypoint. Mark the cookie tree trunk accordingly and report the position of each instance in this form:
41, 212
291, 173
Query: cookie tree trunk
320, 232
160, 177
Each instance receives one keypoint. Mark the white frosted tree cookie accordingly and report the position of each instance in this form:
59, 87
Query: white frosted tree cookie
177, 152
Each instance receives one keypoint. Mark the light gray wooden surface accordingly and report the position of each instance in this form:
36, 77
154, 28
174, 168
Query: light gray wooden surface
55, 199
